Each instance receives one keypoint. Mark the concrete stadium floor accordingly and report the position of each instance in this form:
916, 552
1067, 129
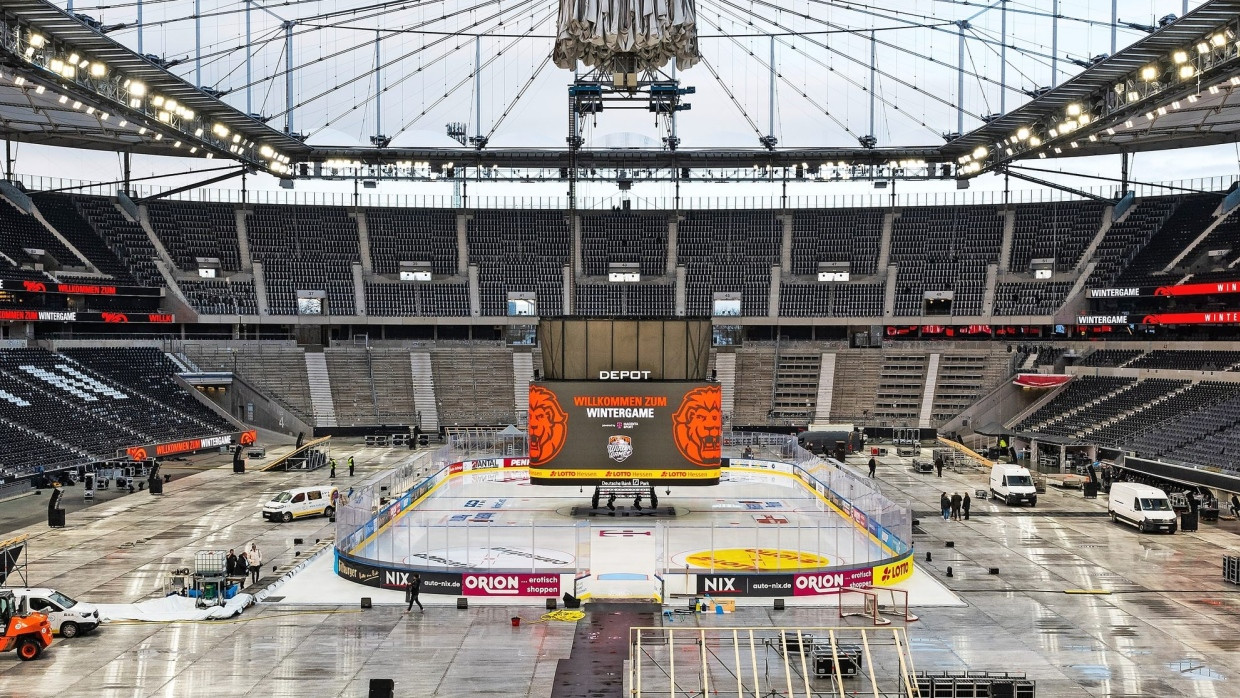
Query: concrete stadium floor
1167, 629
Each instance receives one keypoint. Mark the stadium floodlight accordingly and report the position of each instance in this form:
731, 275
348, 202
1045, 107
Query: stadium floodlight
1192, 99
1093, 138
37, 40
1035, 141
1203, 47
1179, 57
63, 100
137, 88
157, 101
176, 144
159, 136
1187, 72
1128, 123
266, 151
77, 105
142, 131
980, 152
220, 130
1218, 40
193, 150
1110, 132
39, 90
1074, 109
1149, 73
1053, 133
103, 116
56, 65
165, 117
236, 138
74, 58
1084, 119
1022, 133
68, 72
98, 70
198, 133
1134, 96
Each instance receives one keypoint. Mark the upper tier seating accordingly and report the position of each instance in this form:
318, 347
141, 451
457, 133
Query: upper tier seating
1191, 217
728, 251
412, 235
1060, 230
189, 231
850, 235
624, 237
1109, 358
944, 249
305, 248
520, 251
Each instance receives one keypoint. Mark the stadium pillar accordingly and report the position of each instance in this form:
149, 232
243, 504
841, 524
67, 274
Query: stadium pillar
378, 92
1055, 43
959, 80
1003, 57
288, 77
1115, 21
198, 43
140, 28
249, 52
8, 160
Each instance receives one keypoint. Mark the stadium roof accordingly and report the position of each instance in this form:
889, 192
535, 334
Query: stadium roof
41, 110
1212, 118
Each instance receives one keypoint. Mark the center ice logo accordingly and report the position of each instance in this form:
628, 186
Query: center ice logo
619, 448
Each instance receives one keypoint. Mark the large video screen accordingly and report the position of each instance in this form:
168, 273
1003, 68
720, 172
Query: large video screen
620, 431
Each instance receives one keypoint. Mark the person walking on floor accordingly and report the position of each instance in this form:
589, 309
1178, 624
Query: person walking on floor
938, 465
350, 466
946, 505
964, 505
956, 502
255, 557
332, 463
411, 592
873, 466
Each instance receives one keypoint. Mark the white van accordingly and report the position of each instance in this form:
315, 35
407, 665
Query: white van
300, 502
1143, 506
1013, 484
68, 617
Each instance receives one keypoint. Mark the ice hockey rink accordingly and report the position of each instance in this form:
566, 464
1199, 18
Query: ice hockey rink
496, 520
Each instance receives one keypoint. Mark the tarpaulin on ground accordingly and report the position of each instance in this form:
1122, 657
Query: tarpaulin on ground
1040, 380
173, 608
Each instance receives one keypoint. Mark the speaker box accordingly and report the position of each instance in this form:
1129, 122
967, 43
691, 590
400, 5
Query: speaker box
462, 603
382, 688
551, 604
779, 604
365, 602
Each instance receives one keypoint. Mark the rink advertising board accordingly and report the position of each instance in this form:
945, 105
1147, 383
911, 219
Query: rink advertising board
625, 432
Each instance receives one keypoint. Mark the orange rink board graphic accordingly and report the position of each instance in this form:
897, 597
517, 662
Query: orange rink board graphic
631, 433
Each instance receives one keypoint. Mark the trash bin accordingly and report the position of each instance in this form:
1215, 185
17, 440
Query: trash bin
1188, 521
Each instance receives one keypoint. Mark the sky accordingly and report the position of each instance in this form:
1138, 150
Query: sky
822, 82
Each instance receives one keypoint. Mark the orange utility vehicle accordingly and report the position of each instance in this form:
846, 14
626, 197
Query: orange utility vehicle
29, 634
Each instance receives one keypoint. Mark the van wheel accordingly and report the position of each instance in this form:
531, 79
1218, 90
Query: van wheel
288, 516
29, 649
329, 512
68, 630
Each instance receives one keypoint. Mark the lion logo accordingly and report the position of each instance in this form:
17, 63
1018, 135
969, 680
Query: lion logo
248, 437
548, 426
697, 424
114, 317
35, 286
136, 453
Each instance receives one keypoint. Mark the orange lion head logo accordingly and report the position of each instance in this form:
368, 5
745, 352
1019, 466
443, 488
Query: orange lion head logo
136, 453
248, 437
548, 426
697, 425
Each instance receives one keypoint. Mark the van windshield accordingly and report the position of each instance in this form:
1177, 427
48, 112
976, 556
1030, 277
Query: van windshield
62, 600
282, 497
1019, 481
1154, 505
